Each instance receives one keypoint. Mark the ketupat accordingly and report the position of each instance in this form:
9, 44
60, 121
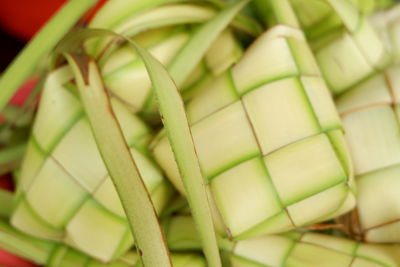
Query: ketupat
112, 246
292, 37
126, 77
171, 25
95, 100
70, 207
368, 110
312, 249
97, 106
48, 253
290, 249
346, 45
370, 114
245, 156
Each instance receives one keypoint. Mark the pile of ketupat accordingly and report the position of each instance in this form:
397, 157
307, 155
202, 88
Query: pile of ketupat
208, 133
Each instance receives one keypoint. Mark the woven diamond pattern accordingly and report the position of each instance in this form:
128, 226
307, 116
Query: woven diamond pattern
126, 76
346, 45
370, 113
311, 249
65, 193
269, 141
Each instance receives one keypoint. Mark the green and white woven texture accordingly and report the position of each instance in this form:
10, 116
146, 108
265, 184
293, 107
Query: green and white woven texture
62, 143
64, 190
278, 158
370, 114
126, 77
312, 249
269, 141
290, 249
347, 47
47, 253
164, 30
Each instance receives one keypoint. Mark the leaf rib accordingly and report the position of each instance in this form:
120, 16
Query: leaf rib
142, 217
